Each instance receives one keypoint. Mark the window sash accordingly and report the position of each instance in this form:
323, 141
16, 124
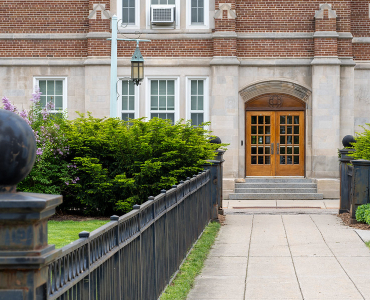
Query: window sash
51, 92
162, 99
197, 11
163, 2
197, 99
128, 12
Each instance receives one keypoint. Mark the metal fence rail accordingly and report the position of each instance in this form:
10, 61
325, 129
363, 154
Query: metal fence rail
135, 255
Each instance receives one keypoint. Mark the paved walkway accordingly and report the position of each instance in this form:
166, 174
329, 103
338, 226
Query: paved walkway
285, 256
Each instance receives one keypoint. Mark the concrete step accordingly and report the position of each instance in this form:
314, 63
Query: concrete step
277, 180
274, 185
276, 196
276, 190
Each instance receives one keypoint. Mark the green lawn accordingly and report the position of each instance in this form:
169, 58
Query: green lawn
368, 244
192, 266
62, 233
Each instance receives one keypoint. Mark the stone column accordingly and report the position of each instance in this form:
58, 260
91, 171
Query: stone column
325, 96
24, 249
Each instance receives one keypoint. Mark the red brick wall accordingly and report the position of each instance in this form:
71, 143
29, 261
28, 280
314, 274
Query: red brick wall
326, 47
345, 47
326, 25
44, 16
43, 48
361, 51
224, 47
98, 24
360, 20
276, 48
285, 16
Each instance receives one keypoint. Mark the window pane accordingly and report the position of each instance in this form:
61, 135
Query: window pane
296, 129
124, 103
50, 87
289, 120
200, 15
171, 87
296, 160
296, 119
154, 87
200, 87
194, 15
194, 105
171, 117
58, 87
296, 150
267, 120
254, 160
200, 102
125, 16
260, 160
254, 129
254, 120
131, 16
260, 150
200, 3
260, 119
131, 3
194, 87
267, 160
171, 103
260, 129
154, 103
282, 119
126, 117
153, 116
131, 85
162, 103
58, 102
267, 150
42, 87
125, 3
43, 101
50, 99
289, 129
124, 88
171, 1
131, 103
194, 3
162, 87
254, 150
196, 119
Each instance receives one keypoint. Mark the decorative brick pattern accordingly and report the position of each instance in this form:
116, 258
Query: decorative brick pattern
43, 48
99, 25
326, 47
44, 16
276, 48
326, 25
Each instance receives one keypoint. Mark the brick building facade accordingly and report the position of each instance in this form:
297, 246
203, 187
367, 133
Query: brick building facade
281, 81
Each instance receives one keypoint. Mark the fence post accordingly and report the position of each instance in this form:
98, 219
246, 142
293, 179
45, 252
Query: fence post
23, 216
215, 166
345, 200
360, 185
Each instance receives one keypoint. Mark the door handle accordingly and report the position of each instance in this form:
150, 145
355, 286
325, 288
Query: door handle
277, 148
272, 148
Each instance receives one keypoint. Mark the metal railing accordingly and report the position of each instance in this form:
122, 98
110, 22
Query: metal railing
135, 255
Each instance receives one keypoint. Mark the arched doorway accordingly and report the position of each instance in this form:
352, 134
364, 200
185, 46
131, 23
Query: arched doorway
275, 135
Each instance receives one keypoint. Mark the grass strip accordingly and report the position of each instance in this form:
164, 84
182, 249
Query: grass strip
192, 266
368, 244
62, 233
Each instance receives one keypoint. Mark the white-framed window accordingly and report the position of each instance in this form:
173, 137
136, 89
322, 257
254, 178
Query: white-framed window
128, 13
163, 2
197, 14
53, 90
197, 100
163, 98
128, 104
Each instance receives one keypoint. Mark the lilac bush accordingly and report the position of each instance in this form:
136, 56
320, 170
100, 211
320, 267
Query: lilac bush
51, 173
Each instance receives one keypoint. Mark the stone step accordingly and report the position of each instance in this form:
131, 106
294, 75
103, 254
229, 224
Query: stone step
277, 180
274, 185
276, 196
276, 190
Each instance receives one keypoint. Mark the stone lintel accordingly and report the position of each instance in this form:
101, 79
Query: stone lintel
225, 60
325, 60
326, 34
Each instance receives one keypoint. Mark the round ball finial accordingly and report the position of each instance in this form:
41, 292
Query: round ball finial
348, 140
215, 140
17, 150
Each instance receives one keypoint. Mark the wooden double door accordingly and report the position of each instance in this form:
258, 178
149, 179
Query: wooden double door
275, 143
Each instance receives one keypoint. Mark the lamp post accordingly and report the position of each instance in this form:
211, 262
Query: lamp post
137, 66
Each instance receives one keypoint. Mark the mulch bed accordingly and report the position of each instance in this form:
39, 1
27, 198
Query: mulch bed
78, 218
346, 220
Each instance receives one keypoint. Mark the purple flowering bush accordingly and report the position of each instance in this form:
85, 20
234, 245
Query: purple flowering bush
51, 170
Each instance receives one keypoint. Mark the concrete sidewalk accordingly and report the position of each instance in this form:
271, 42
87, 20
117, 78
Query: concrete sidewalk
285, 256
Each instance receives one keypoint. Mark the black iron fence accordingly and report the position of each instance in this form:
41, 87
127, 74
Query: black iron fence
135, 255
354, 183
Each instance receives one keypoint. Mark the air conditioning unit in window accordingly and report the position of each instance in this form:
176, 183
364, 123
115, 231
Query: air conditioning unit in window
162, 15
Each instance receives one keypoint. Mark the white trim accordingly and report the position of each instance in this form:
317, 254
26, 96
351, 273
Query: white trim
137, 16
119, 100
177, 94
205, 97
36, 80
205, 24
177, 12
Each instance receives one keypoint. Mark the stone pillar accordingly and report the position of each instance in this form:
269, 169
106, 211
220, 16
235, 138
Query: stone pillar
325, 96
24, 249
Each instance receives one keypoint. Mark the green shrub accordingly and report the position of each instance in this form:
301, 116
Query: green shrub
362, 213
362, 145
122, 163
